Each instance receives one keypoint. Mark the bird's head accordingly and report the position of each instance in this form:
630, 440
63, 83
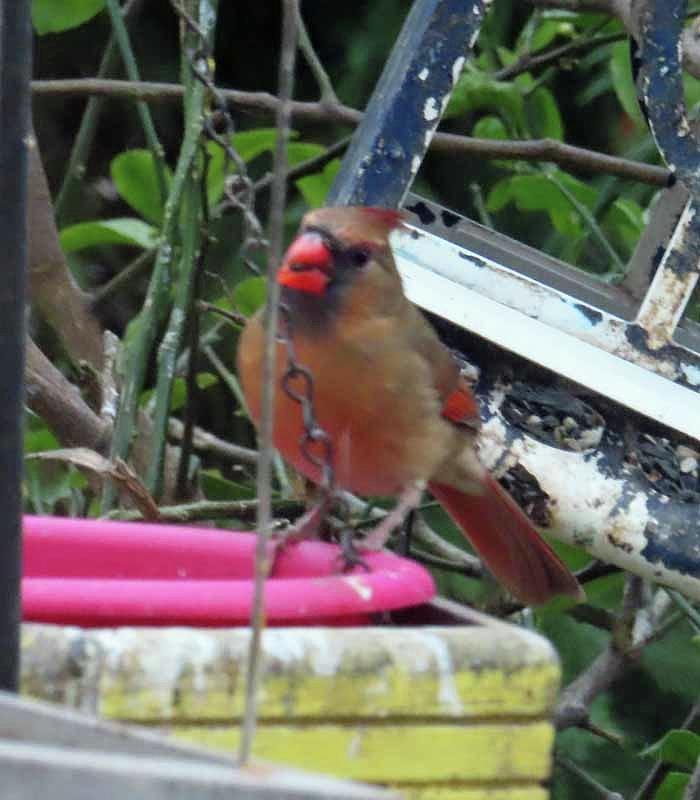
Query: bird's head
338, 248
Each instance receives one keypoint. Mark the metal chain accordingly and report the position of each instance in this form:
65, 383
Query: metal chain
304, 395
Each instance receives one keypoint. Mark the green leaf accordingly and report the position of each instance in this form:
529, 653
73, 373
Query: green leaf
678, 747
127, 230
54, 16
216, 487
249, 295
548, 30
623, 84
314, 188
673, 786
134, 175
177, 398
624, 223
490, 127
539, 193
477, 91
303, 151
206, 379
543, 115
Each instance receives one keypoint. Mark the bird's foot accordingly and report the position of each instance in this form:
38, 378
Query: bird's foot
307, 526
350, 557
407, 501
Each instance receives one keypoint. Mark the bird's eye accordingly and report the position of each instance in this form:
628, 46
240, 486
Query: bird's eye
357, 256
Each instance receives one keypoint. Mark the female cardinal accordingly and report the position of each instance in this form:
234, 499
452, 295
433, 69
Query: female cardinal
389, 394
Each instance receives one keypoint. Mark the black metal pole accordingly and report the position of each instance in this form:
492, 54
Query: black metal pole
15, 68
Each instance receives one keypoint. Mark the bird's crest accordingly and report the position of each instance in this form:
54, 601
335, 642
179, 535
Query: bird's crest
391, 218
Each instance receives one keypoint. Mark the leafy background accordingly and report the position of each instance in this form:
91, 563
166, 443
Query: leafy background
593, 222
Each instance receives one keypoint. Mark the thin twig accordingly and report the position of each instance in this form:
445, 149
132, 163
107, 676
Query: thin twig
589, 220
482, 212
589, 780
692, 614
202, 510
276, 232
308, 167
234, 317
325, 86
529, 61
155, 304
229, 379
196, 38
206, 442
82, 143
192, 396
149, 129
124, 277
565, 155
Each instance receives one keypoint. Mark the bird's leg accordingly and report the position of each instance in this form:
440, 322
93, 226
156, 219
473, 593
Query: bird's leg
409, 498
405, 543
308, 525
350, 555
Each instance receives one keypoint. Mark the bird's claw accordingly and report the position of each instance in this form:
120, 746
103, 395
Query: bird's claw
350, 555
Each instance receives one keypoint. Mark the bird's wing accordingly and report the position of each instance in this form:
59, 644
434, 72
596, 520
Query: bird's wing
459, 405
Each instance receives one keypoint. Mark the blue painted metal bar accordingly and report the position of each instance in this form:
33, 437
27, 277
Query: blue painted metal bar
660, 82
15, 61
407, 103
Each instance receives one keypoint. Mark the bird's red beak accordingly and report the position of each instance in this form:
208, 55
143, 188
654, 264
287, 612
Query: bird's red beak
307, 264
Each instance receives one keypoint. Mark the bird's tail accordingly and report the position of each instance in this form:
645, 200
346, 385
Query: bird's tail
508, 543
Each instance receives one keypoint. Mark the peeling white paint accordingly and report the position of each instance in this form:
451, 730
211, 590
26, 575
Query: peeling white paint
692, 374
163, 655
423, 74
585, 512
457, 69
447, 691
431, 110
415, 164
668, 294
544, 325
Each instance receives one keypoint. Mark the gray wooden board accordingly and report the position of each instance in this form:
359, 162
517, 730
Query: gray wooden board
30, 771
42, 746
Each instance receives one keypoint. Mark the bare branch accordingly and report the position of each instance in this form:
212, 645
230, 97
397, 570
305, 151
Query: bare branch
205, 442
215, 509
53, 292
54, 398
278, 192
325, 86
565, 155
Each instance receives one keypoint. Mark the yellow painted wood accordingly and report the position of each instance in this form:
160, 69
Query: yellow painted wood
391, 753
441, 713
186, 674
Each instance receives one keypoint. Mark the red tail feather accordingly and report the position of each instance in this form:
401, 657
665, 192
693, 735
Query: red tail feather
508, 543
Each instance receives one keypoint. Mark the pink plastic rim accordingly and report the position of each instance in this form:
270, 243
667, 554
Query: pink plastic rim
98, 573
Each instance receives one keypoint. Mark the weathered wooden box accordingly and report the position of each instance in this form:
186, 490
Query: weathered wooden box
437, 712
